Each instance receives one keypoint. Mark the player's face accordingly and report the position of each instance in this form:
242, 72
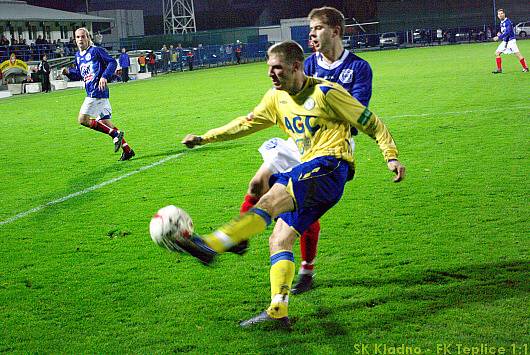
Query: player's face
281, 73
322, 35
81, 39
501, 15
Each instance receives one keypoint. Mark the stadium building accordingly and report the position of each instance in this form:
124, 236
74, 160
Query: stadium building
20, 21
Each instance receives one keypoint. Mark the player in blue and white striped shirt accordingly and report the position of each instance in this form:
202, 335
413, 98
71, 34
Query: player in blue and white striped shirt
508, 44
95, 67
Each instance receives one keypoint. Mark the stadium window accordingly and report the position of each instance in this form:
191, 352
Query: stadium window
47, 33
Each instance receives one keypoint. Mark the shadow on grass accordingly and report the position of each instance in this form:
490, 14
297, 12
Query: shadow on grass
433, 290
421, 294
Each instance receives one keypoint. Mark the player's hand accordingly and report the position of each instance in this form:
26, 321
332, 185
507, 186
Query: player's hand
192, 140
102, 83
496, 38
395, 166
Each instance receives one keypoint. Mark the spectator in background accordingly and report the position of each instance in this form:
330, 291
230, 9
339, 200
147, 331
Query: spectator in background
173, 56
221, 53
228, 52
39, 41
142, 62
439, 35
4, 41
59, 50
44, 71
200, 54
179, 52
151, 63
125, 63
98, 39
237, 50
190, 59
165, 58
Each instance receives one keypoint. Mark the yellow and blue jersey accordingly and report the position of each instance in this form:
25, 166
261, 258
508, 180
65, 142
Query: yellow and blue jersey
318, 119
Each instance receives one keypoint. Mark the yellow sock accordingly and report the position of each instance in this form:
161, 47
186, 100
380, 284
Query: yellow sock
239, 229
282, 275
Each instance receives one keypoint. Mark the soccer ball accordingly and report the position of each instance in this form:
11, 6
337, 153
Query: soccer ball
169, 225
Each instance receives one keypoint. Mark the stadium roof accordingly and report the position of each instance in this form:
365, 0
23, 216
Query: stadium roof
13, 10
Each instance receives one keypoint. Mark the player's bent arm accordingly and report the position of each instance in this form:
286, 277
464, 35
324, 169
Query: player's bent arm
111, 64
352, 111
72, 73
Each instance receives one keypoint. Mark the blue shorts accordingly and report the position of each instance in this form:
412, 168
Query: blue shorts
316, 186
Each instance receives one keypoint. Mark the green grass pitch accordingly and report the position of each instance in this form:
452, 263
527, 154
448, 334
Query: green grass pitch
441, 258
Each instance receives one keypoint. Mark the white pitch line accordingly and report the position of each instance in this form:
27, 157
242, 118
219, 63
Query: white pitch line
171, 157
458, 112
89, 189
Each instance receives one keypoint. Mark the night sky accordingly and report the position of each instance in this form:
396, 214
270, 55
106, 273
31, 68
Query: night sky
215, 14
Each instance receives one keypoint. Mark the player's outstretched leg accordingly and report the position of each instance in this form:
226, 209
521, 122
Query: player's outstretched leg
308, 248
226, 237
258, 186
248, 203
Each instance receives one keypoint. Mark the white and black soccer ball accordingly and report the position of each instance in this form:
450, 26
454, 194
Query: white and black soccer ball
170, 225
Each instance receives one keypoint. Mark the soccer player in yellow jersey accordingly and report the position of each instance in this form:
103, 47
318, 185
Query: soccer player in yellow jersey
318, 115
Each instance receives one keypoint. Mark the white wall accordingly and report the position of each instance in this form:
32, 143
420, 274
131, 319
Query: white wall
274, 33
286, 25
127, 23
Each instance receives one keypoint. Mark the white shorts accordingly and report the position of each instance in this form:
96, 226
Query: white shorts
97, 108
280, 155
509, 47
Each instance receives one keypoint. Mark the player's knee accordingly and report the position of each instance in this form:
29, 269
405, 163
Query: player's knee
83, 120
281, 239
256, 187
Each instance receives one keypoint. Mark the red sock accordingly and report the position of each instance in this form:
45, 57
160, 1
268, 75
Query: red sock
125, 146
308, 246
499, 63
249, 202
101, 127
523, 63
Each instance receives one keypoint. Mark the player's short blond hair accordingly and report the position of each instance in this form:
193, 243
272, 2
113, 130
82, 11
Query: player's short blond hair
289, 50
84, 29
330, 16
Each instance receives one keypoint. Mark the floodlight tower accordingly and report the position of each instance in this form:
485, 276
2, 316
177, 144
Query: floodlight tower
179, 16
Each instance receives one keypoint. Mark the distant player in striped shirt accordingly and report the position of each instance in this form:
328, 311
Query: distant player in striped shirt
508, 44
95, 67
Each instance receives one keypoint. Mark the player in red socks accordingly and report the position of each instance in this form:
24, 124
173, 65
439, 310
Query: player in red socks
331, 61
95, 66
508, 44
